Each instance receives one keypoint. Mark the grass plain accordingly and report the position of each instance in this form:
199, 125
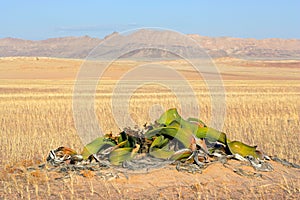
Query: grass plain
262, 108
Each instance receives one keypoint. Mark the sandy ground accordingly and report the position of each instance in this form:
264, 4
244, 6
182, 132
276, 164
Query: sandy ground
229, 68
217, 181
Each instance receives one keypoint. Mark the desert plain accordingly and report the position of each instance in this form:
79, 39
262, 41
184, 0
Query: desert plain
36, 115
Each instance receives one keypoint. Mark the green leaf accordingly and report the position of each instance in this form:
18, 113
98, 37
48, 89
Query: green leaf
181, 154
160, 148
118, 156
243, 149
184, 136
158, 131
211, 135
200, 122
163, 153
169, 116
130, 141
159, 142
95, 146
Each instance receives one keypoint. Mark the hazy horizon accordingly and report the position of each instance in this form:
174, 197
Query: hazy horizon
78, 36
32, 20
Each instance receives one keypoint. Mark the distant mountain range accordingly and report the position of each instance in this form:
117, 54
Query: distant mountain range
80, 47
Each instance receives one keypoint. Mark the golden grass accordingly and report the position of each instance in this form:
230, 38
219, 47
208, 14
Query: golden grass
37, 116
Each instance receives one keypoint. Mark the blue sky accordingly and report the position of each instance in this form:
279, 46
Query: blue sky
29, 19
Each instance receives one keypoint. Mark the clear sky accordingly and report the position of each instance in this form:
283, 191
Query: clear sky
41, 19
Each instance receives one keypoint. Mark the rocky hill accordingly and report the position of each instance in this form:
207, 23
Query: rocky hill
80, 47
64, 47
